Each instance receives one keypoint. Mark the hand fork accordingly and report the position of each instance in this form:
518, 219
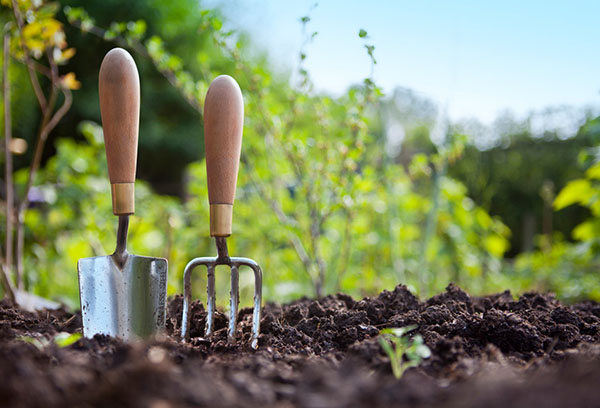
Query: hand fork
223, 123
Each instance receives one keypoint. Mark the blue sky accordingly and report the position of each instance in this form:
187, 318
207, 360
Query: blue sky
477, 57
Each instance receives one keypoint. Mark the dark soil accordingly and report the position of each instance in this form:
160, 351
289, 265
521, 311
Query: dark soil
486, 352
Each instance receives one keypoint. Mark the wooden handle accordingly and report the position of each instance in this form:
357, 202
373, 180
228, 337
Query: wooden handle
119, 88
223, 123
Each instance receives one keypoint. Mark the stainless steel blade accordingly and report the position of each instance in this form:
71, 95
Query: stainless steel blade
127, 302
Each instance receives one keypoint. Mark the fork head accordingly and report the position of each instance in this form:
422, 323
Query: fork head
234, 264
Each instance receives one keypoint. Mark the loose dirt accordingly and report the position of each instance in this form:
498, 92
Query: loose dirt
488, 352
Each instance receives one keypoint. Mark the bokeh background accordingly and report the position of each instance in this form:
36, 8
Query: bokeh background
384, 143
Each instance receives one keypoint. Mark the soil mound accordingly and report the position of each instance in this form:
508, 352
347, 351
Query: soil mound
486, 352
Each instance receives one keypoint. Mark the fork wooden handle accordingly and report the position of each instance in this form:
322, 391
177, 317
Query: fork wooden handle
223, 123
119, 89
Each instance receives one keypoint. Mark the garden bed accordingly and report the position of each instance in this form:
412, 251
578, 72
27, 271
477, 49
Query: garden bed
490, 351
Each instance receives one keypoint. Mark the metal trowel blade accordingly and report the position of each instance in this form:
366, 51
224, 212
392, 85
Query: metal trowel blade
127, 302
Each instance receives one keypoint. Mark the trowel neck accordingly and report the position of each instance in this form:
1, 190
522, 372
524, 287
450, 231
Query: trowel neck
121, 250
222, 252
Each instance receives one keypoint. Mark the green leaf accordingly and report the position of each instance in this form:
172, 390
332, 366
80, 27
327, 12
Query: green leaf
65, 339
137, 29
405, 352
593, 172
216, 23
399, 331
362, 33
39, 344
496, 245
387, 348
587, 230
576, 191
423, 351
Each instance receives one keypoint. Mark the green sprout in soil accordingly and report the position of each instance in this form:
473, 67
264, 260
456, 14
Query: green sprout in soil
403, 351
62, 339
65, 339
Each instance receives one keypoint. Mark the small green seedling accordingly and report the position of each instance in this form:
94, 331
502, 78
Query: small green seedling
403, 351
62, 339
38, 343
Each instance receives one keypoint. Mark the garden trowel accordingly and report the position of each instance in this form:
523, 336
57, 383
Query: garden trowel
122, 295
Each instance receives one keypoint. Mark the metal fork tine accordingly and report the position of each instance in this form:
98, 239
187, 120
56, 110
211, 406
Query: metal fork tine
257, 305
211, 264
256, 315
234, 296
187, 299
212, 298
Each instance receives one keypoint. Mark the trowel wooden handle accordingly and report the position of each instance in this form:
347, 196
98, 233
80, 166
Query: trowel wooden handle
119, 88
223, 123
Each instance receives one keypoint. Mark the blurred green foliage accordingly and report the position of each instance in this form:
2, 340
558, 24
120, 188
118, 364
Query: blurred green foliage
509, 180
570, 269
321, 205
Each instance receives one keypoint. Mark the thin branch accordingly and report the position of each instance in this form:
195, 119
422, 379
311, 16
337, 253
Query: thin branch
274, 204
28, 61
7, 261
40, 68
285, 220
301, 252
6, 284
315, 235
48, 124
53, 68
8, 155
345, 252
62, 111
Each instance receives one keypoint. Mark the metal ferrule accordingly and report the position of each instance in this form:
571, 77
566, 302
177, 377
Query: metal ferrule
123, 198
221, 220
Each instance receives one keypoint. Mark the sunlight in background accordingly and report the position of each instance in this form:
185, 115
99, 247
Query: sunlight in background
478, 58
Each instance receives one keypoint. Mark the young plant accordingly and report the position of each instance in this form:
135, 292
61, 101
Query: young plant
62, 339
403, 351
